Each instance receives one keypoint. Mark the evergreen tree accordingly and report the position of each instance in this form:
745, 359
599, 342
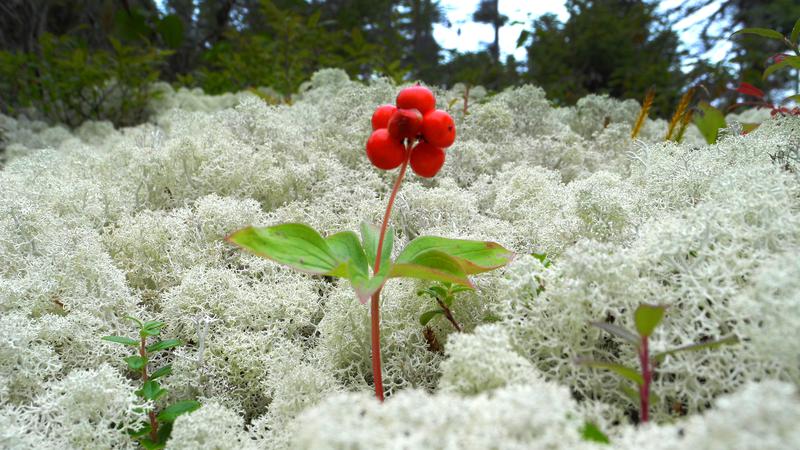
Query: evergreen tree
750, 54
618, 47
489, 12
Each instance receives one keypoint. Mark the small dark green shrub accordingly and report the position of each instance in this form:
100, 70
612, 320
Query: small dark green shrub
154, 433
65, 81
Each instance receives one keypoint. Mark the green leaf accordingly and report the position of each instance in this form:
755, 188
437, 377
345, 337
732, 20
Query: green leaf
151, 390
618, 331
431, 265
448, 301
542, 257
619, 369
293, 244
427, 316
647, 317
434, 292
135, 362
347, 248
457, 289
153, 325
795, 97
163, 345
354, 264
709, 122
366, 287
121, 340
150, 332
789, 61
591, 433
164, 432
166, 370
659, 357
473, 256
171, 412
144, 430
134, 320
795, 33
370, 234
171, 30
763, 32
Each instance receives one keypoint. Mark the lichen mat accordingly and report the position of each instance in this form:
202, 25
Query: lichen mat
97, 224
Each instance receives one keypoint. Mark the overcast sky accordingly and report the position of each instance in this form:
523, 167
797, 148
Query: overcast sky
475, 36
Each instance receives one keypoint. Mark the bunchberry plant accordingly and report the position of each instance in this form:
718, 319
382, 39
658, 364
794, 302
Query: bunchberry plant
781, 60
711, 120
414, 133
646, 318
156, 431
444, 295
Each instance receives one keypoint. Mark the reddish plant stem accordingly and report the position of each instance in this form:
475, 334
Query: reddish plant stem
448, 315
644, 389
376, 297
151, 414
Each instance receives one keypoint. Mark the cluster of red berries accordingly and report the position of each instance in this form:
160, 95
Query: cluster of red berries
415, 121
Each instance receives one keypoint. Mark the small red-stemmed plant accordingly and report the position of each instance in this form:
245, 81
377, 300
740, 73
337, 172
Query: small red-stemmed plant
646, 318
411, 132
780, 61
444, 295
156, 431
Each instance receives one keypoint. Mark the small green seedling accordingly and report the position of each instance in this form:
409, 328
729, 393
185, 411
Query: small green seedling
444, 295
154, 433
590, 432
646, 318
546, 262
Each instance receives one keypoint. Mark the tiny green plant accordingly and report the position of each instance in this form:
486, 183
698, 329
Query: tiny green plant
590, 432
443, 294
410, 133
155, 432
646, 318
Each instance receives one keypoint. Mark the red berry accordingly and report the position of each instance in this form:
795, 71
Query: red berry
426, 159
405, 124
438, 128
416, 97
381, 116
383, 151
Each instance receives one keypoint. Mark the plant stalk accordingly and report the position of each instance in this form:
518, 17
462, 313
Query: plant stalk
375, 303
448, 315
151, 414
647, 376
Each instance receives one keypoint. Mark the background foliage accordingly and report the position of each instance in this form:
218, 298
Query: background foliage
73, 60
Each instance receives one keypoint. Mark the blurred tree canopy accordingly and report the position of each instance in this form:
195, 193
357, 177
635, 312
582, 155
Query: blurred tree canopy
618, 47
750, 55
69, 58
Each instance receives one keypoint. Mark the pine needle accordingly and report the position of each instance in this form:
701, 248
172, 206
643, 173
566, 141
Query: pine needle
679, 113
648, 102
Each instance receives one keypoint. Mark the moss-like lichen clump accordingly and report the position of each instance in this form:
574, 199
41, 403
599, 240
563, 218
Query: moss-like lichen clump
97, 224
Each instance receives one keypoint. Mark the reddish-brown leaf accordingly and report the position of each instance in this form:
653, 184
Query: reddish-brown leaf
749, 89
